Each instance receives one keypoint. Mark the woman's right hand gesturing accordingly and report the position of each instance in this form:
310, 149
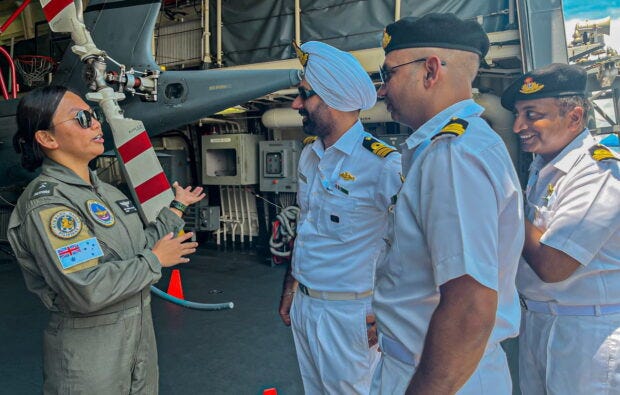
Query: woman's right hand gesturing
171, 250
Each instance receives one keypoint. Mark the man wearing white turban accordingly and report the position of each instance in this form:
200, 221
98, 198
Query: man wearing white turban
346, 181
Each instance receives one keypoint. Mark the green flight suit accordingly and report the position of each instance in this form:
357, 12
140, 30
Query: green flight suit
84, 251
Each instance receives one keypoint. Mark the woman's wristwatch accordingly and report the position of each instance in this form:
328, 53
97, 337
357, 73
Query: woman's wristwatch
179, 206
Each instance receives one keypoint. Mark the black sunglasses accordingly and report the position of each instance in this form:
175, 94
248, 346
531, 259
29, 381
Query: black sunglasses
305, 93
84, 118
385, 74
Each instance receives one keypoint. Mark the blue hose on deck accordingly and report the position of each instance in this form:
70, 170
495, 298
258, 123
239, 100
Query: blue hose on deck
191, 305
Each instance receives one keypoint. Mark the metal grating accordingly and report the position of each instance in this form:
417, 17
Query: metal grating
179, 44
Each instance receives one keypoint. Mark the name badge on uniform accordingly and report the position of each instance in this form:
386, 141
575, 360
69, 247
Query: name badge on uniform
73, 254
341, 189
302, 177
127, 206
100, 213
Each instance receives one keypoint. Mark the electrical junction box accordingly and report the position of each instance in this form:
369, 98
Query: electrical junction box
209, 217
278, 165
230, 159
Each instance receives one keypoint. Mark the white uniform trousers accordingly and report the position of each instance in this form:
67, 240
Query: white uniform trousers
569, 354
332, 345
491, 377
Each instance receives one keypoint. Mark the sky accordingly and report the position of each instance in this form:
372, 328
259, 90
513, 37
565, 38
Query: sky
580, 10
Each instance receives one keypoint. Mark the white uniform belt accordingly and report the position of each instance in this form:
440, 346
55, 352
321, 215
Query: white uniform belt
562, 309
396, 350
325, 295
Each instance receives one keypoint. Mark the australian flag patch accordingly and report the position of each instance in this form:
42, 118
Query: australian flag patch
73, 254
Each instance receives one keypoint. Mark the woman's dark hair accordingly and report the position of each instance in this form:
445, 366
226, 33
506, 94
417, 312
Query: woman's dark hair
35, 112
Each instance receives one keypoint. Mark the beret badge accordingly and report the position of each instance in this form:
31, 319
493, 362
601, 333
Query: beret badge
301, 55
530, 86
386, 39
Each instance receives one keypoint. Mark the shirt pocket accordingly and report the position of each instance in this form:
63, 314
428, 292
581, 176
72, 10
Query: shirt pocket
337, 217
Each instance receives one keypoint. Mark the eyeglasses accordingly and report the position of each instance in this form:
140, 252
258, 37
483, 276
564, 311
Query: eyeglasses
385, 74
84, 118
305, 93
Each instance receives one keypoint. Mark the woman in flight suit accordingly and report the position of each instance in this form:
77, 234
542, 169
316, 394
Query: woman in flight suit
84, 251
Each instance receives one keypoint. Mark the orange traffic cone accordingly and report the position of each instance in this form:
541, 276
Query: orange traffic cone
175, 288
270, 391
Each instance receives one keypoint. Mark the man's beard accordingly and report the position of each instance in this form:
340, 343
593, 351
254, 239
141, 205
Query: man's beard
310, 126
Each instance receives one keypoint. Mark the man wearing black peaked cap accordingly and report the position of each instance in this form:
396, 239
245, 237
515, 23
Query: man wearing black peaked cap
445, 295
570, 273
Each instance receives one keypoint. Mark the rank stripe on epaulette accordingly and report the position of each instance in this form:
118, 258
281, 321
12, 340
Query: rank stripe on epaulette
309, 140
455, 127
600, 152
377, 147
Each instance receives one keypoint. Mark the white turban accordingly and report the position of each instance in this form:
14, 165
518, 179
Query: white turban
338, 78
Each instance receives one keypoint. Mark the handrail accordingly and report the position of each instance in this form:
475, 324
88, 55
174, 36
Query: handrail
3, 28
5, 94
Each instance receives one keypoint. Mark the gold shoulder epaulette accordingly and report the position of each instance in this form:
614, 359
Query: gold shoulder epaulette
455, 127
309, 140
377, 147
600, 152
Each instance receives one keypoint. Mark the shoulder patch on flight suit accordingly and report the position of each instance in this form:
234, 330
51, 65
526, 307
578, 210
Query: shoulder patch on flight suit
82, 251
43, 188
455, 127
600, 152
100, 213
377, 147
309, 140
65, 224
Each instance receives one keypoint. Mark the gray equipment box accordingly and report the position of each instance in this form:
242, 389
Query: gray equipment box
278, 165
230, 159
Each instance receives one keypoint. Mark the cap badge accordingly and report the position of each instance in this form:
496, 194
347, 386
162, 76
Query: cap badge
65, 224
345, 175
386, 39
530, 86
100, 213
301, 55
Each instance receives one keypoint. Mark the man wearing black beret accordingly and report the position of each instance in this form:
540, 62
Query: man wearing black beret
445, 295
569, 277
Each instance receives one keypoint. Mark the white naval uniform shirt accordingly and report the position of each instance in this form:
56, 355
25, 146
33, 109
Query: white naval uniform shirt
343, 194
574, 200
459, 212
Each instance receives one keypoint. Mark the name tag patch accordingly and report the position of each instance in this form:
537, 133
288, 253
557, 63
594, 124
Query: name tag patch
73, 254
127, 206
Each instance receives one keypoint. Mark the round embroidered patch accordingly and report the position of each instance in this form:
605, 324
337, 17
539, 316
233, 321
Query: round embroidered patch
100, 213
65, 224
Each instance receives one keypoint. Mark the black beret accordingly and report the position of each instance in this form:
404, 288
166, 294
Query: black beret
555, 80
436, 31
